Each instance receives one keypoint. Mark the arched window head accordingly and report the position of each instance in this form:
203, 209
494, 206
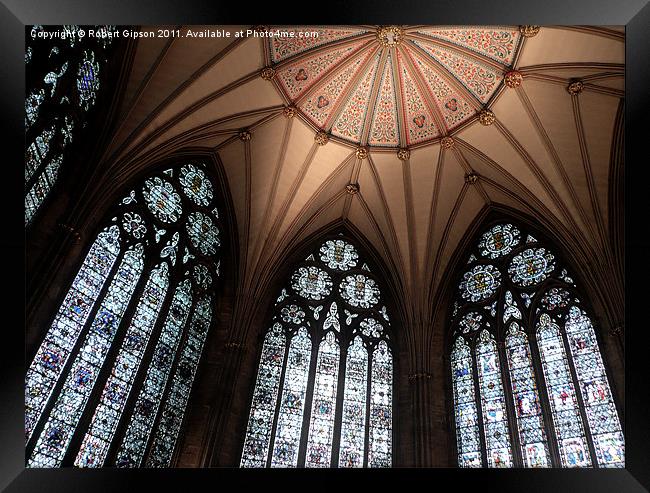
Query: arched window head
529, 384
65, 73
111, 380
323, 395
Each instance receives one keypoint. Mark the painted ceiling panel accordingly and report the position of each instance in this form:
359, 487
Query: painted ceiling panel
497, 42
461, 67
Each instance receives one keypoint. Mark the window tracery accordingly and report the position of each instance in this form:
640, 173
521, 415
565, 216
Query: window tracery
65, 75
122, 351
323, 394
529, 384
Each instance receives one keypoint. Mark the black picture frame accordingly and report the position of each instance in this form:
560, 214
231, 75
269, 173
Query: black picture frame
634, 14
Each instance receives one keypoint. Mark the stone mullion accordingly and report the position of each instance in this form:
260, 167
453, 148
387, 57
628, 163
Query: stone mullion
578, 392
278, 399
479, 407
309, 396
129, 408
107, 364
545, 401
344, 344
506, 384
366, 439
56, 391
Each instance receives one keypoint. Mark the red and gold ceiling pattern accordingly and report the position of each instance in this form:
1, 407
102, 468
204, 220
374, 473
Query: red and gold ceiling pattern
392, 87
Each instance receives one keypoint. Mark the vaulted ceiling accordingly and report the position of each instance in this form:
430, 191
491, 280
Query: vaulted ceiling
405, 132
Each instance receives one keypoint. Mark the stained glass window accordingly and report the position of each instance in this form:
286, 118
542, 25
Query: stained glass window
529, 383
112, 378
324, 387
64, 79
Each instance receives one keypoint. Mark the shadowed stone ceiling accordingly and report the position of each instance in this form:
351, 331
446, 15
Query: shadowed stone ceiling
502, 124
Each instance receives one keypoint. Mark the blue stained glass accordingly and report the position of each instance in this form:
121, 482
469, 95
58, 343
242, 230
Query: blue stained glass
381, 398
64, 417
88, 80
530, 423
353, 424
343, 306
196, 185
173, 410
53, 353
292, 402
323, 408
118, 386
162, 199
602, 416
41, 188
467, 432
495, 418
132, 448
499, 241
37, 151
33, 105
564, 406
338, 254
480, 282
260, 421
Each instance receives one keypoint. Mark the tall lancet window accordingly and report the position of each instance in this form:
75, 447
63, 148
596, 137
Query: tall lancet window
110, 382
64, 76
323, 395
529, 385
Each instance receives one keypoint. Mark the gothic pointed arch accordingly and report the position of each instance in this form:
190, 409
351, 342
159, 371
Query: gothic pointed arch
528, 381
70, 82
324, 391
110, 382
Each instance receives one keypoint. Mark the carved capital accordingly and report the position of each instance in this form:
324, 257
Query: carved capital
486, 117
403, 154
616, 331
528, 31
267, 73
513, 78
235, 346
419, 376
321, 138
71, 231
447, 142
